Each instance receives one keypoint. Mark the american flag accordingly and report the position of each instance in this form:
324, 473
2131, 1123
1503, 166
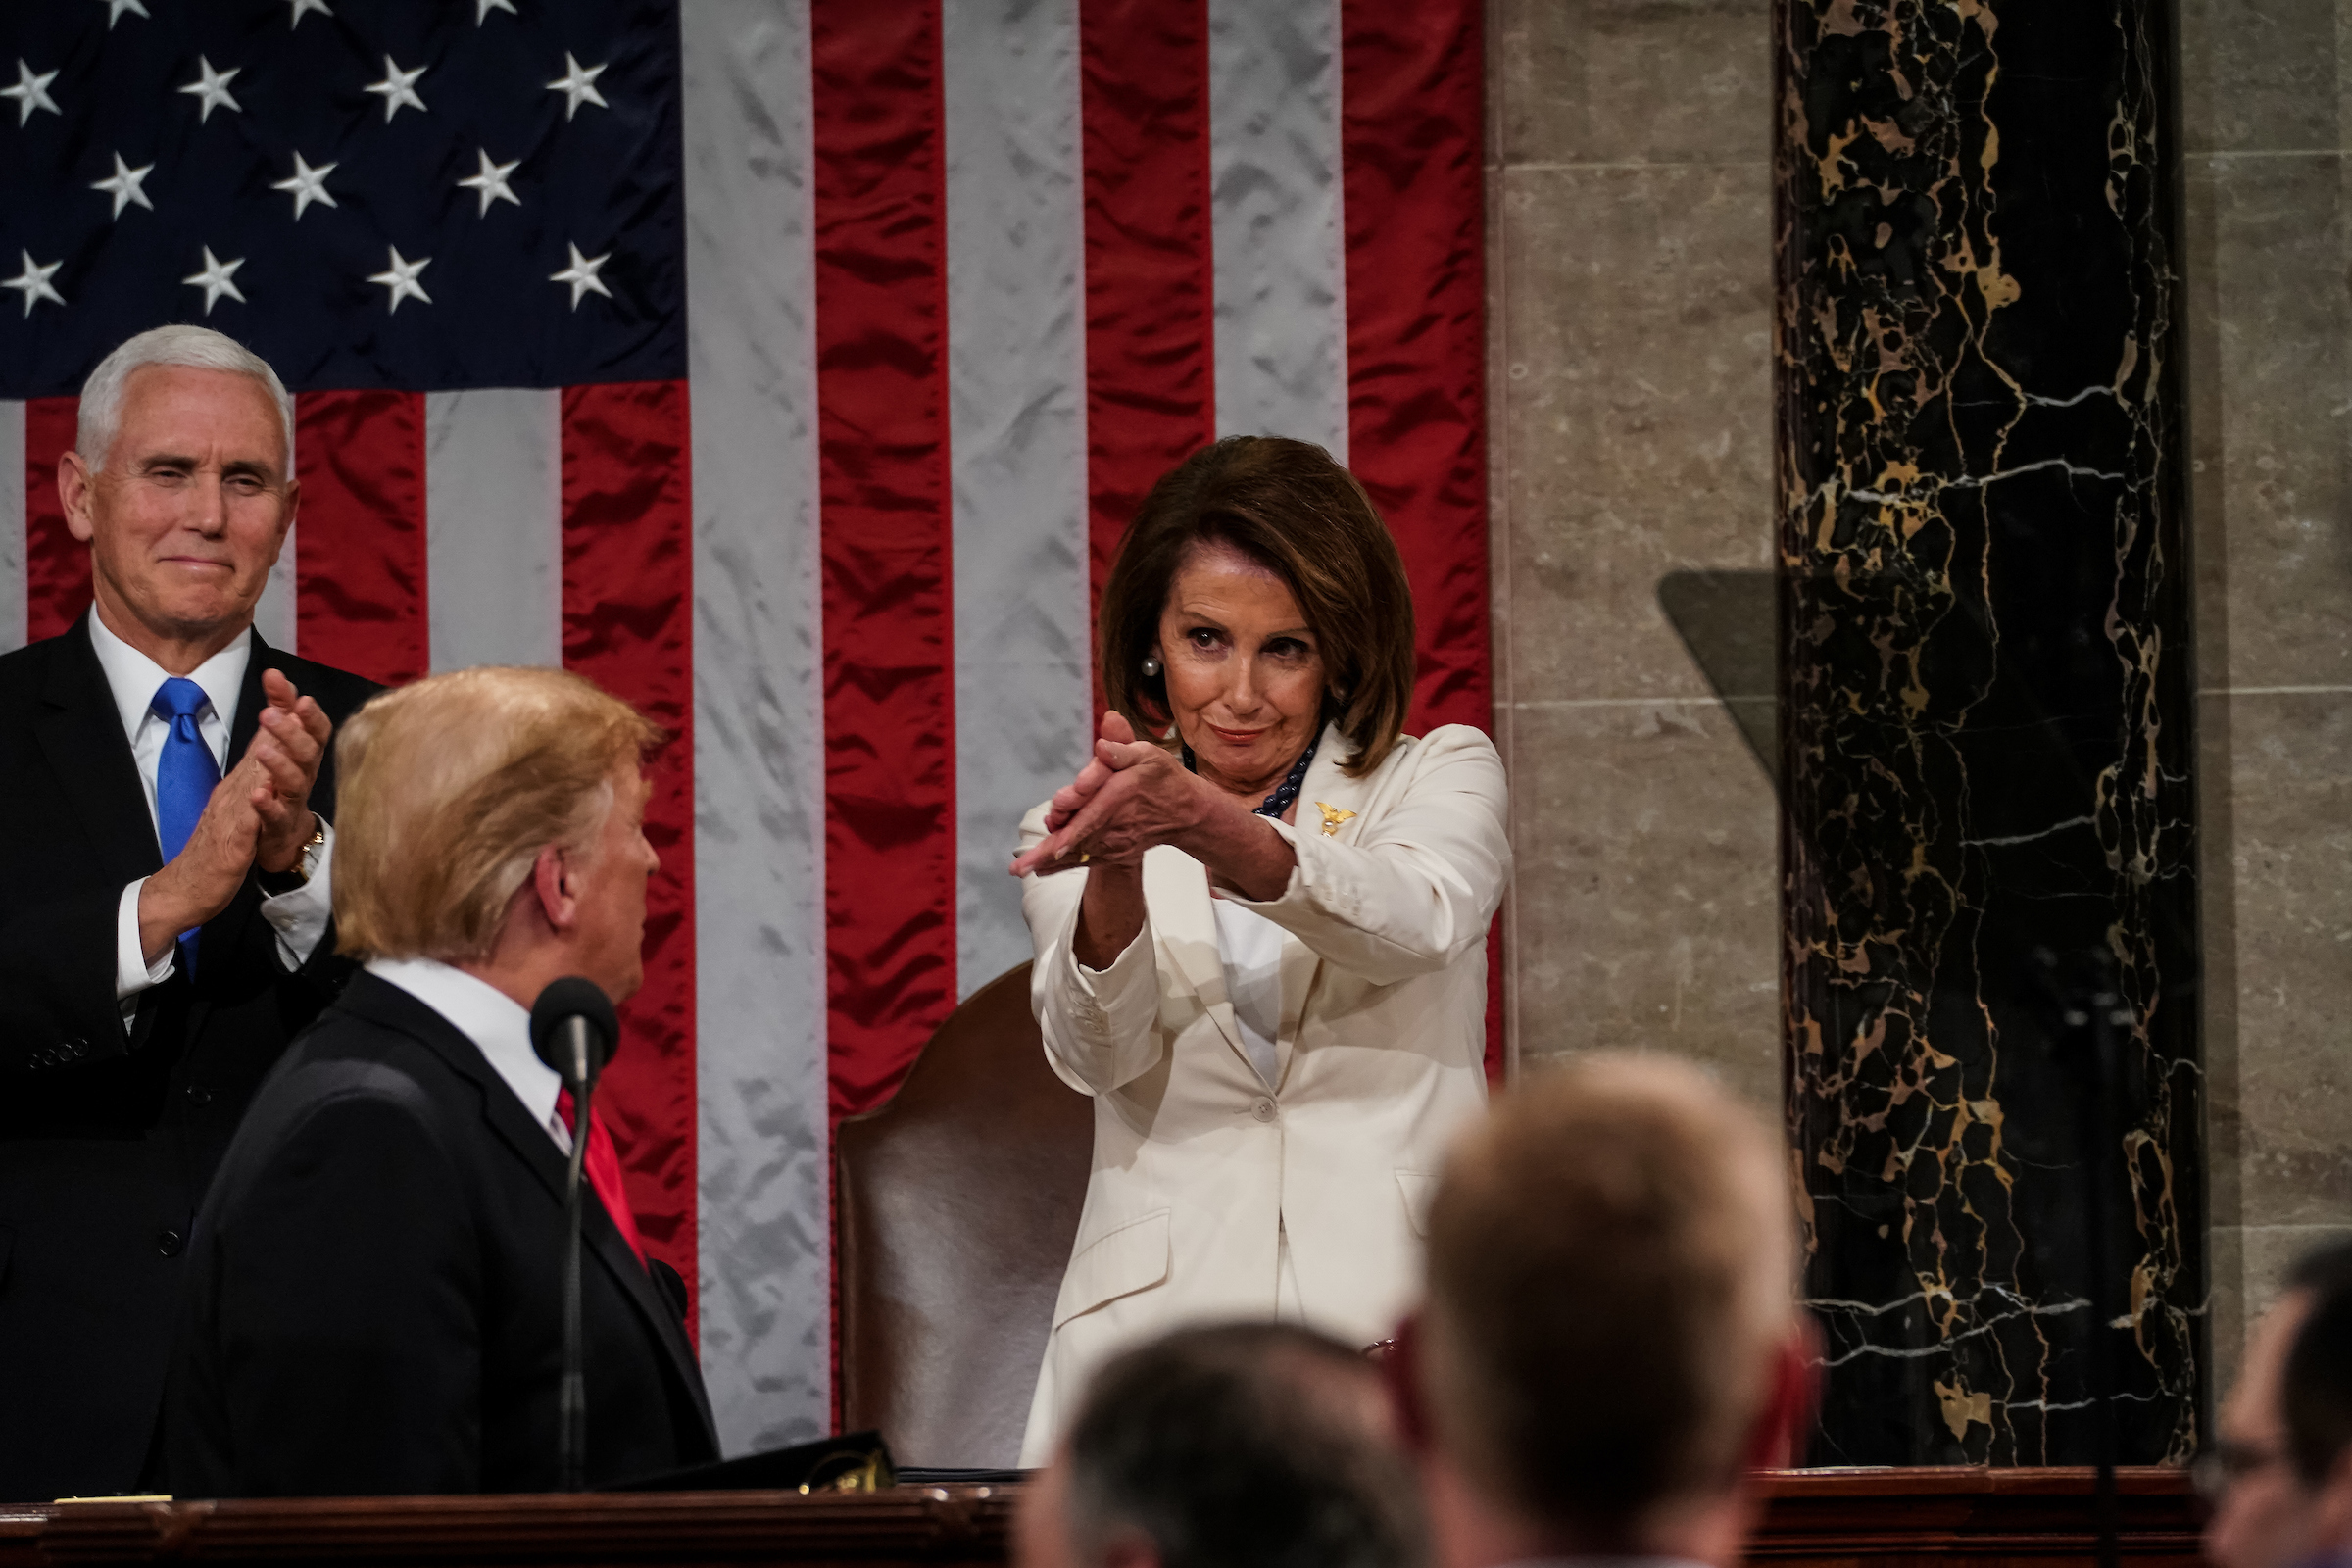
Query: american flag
789, 367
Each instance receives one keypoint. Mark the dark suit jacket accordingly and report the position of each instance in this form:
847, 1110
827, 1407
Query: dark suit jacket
375, 1287
107, 1138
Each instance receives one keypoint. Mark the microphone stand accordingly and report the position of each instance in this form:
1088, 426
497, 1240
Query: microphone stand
571, 1409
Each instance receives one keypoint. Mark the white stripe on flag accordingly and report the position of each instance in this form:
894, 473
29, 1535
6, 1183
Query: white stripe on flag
12, 524
1281, 262
494, 526
273, 617
758, 724
1016, 368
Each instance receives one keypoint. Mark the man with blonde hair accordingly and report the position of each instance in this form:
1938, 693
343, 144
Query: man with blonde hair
167, 789
374, 1295
1610, 1345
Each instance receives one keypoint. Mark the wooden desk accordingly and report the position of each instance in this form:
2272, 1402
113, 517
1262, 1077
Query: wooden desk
1817, 1519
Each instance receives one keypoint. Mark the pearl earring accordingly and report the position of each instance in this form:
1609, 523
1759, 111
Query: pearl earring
1151, 667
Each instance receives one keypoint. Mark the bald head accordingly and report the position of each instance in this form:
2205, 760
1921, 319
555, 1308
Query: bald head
1610, 1259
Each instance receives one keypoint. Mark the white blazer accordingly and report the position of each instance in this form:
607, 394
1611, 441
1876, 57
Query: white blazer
1199, 1170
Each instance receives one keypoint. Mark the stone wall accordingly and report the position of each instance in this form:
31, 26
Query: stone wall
1630, 286
2267, 111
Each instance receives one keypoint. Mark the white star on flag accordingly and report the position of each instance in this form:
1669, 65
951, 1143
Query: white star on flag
31, 92
492, 182
215, 279
303, 8
210, 88
124, 185
33, 283
113, 14
577, 85
401, 277
308, 185
487, 6
398, 87
581, 275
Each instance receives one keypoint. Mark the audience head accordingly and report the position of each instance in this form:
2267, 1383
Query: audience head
2283, 1469
180, 483
1241, 1445
492, 818
1610, 1339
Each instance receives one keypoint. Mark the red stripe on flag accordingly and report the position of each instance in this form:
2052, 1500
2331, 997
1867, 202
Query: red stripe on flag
1149, 267
57, 566
359, 540
629, 625
1411, 96
889, 646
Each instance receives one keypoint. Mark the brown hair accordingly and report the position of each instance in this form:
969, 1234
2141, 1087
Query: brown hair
1285, 504
448, 790
1611, 1263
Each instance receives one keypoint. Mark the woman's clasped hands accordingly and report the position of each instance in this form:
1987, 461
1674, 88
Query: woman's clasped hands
1131, 796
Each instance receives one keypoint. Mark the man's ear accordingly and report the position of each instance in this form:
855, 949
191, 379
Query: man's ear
1130, 1548
285, 521
1785, 1425
1401, 1373
74, 482
2331, 1512
557, 885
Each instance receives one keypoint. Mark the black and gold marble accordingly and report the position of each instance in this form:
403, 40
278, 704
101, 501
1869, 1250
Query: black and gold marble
1985, 717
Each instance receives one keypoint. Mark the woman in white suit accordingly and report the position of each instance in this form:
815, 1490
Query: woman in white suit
1260, 934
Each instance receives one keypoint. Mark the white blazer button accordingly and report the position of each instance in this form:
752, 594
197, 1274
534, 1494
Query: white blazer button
1262, 1108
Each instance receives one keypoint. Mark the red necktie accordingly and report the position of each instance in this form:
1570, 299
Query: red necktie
604, 1172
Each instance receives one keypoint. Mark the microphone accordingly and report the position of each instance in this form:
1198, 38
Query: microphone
574, 1031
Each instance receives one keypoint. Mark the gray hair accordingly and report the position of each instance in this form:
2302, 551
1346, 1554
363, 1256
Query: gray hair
197, 348
1242, 1446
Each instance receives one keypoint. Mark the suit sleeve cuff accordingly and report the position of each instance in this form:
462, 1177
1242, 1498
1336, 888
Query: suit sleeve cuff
132, 972
1123, 973
300, 917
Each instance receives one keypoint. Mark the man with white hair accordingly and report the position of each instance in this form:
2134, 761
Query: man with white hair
166, 789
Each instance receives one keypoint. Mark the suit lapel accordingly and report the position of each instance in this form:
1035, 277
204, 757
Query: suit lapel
1323, 796
1185, 922
603, 1239
80, 735
530, 1143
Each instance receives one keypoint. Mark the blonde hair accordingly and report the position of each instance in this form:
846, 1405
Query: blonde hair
1611, 1269
450, 788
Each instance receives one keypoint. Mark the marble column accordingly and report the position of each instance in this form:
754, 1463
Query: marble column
1986, 730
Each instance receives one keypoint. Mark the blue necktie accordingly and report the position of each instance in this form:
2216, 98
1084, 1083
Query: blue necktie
185, 778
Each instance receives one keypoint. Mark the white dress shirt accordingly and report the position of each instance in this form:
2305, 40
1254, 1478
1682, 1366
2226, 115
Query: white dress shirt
299, 917
498, 1025
1250, 947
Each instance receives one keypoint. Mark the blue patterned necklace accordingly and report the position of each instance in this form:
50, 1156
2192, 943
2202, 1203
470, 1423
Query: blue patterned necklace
1284, 793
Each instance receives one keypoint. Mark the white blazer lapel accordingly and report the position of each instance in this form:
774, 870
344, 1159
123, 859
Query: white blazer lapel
1176, 892
1329, 803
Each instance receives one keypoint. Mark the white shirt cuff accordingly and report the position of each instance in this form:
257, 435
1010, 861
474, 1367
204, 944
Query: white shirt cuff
132, 972
300, 917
